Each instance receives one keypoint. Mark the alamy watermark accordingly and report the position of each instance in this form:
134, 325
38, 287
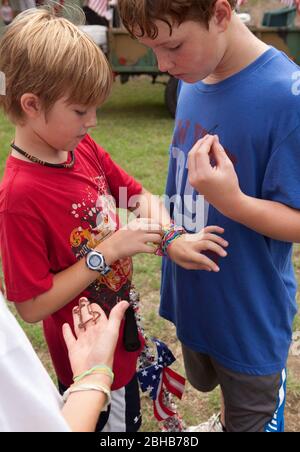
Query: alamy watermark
188, 211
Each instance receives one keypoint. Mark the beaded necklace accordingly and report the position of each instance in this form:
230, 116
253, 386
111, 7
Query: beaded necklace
41, 162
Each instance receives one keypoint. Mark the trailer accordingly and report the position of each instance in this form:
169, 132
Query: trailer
286, 39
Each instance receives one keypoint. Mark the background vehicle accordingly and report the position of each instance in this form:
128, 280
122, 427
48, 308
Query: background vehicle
128, 57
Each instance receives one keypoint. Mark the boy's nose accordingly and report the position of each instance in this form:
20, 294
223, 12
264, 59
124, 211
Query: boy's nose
164, 63
92, 121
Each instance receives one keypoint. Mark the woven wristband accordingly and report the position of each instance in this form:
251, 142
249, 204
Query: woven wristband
171, 233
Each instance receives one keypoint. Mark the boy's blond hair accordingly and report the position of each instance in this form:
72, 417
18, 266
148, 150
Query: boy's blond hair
139, 16
51, 58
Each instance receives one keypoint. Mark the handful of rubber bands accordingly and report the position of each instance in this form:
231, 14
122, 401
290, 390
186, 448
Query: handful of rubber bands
171, 232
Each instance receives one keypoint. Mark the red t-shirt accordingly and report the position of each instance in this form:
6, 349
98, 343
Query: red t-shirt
48, 218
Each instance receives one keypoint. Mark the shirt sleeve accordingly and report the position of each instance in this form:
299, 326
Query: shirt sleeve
122, 185
282, 182
29, 399
24, 257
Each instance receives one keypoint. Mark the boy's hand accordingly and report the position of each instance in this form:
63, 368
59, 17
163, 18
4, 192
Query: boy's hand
218, 184
187, 250
139, 236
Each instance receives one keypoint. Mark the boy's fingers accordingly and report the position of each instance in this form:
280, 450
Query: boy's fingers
203, 260
218, 152
205, 144
208, 245
207, 269
191, 163
149, 249
215, 238
202, 155
145, 224
154, 238
216, 229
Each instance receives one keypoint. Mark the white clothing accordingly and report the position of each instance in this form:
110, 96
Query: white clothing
29, 401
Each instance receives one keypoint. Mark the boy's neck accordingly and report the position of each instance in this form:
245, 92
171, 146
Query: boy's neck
36, 147
242, 49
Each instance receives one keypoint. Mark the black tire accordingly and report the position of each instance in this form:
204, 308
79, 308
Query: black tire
171, 95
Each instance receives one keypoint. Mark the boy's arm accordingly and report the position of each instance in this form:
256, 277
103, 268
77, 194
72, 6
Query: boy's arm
69, 283
220, 186
268, 218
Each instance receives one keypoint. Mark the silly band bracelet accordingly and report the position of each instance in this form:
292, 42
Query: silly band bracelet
171, 233
101, 368
89, 387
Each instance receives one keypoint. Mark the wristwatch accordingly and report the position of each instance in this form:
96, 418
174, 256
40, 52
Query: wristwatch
95, 261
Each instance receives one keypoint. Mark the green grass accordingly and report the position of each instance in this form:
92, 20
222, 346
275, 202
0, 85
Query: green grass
135, 128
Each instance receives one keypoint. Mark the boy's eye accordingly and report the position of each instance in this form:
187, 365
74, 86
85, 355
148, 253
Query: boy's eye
80, 113
175, 48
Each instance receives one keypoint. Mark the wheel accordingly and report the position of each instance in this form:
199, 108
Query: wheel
171, 95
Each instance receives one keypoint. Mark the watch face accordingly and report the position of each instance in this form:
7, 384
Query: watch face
95, 261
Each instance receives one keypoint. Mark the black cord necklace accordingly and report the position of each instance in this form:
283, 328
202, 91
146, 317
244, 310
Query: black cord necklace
41, 162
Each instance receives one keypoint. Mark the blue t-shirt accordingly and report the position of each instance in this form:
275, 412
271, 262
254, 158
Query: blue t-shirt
243, 315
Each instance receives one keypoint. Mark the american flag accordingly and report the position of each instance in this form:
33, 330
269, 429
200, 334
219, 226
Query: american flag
159, 380
99, 6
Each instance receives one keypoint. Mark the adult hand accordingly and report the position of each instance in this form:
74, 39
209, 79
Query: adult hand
218, 184
95, 344
187, 250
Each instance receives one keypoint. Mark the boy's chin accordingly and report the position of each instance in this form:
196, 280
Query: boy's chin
189, 78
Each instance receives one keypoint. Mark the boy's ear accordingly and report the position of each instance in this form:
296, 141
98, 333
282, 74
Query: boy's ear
31, 105
222, 14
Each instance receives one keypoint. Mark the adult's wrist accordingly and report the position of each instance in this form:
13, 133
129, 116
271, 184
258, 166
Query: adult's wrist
100, 369
97, 378
91, 389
